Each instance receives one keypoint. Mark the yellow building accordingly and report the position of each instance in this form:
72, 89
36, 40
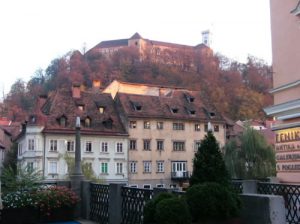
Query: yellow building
165, 126
285, 26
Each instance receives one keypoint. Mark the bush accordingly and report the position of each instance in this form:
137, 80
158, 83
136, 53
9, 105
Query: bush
18, 200
212, 201
172, 211
150, 207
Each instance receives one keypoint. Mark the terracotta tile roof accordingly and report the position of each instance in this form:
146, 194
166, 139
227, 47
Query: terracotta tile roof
59, 112
176, 106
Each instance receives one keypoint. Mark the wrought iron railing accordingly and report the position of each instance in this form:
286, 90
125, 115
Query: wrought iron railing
133, 202
237, 185
180, 175
291, 195
99, 203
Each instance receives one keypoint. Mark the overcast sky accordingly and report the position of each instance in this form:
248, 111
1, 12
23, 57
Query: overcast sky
34, 32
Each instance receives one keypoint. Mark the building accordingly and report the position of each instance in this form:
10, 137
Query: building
158, 51
165, 126
47, 139
285, 27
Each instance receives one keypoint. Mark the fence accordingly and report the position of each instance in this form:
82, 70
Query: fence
291, 196
99, 203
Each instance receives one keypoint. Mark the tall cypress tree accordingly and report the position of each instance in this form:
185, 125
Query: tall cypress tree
208, 164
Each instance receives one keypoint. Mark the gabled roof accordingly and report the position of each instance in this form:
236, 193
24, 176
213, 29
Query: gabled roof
136, 36
174, 107
61, 104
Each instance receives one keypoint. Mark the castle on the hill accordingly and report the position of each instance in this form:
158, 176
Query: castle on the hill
158, 51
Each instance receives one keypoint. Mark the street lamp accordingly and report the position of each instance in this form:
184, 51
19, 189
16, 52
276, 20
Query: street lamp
77, 170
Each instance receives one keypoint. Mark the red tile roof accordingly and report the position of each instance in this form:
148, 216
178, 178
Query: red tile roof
61, 104
176, 106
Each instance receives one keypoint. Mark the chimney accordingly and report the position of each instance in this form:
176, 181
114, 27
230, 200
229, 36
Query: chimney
96, 85
76, 90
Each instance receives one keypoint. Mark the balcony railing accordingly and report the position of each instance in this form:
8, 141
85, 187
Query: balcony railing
180, 175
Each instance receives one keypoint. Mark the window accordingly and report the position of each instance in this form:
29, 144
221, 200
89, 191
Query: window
179, 169
81, 108
178, 146
119, 147
178, 126
88, 166
172, 185
132, 144
197, 127
20, 149
137, 106
132, 124
52, 167
134, 185
104, 147
205, 127
160, 168
53, 145
160, 145
174, 110
192, 112
70, 146
197, 144
101, 110
216, 128
147, 186
133, 167
88, 146
119, 168
30, 166
160, 185
147, 145
147, 166
63, 121
160, 125
87, 122
146, 124
104, 168
30, 144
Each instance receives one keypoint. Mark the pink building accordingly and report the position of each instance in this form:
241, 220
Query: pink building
285, 26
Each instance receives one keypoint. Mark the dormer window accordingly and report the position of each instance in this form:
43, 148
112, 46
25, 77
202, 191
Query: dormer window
62, 121
174, 110
108, 123
137, 106
32, 119
81, 107
192, 112
212, 114
189, 98
101, 110
87, 122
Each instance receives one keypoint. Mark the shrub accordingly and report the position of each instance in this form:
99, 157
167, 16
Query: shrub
55, 197
172, 211
17, 200
212, 201
150, 207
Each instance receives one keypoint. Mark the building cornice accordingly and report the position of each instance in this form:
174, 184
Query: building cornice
283, 107
285, 126
284, 87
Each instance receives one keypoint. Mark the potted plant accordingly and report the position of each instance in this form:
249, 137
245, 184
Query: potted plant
56, 203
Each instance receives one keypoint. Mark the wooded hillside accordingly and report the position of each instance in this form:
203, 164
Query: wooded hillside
238, 90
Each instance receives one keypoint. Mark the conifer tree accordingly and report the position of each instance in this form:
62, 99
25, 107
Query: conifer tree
208, 164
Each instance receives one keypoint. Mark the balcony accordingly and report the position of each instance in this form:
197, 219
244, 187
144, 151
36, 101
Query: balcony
180, 175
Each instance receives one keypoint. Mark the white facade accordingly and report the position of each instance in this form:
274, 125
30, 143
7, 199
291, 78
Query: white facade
107, 156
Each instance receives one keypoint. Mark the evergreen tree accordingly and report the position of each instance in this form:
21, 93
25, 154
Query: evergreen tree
208, 164
255, 159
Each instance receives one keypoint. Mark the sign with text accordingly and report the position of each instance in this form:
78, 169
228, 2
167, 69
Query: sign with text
287, 148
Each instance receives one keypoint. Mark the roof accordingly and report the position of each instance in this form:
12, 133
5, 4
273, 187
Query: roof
175, 106
62, 106
112, 43
136, 36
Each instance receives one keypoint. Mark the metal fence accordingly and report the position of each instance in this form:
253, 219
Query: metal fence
133, 202
99, 203
237, 185
291, 195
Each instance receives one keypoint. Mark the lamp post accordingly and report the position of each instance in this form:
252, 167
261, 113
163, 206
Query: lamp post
77, 176
77, 169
